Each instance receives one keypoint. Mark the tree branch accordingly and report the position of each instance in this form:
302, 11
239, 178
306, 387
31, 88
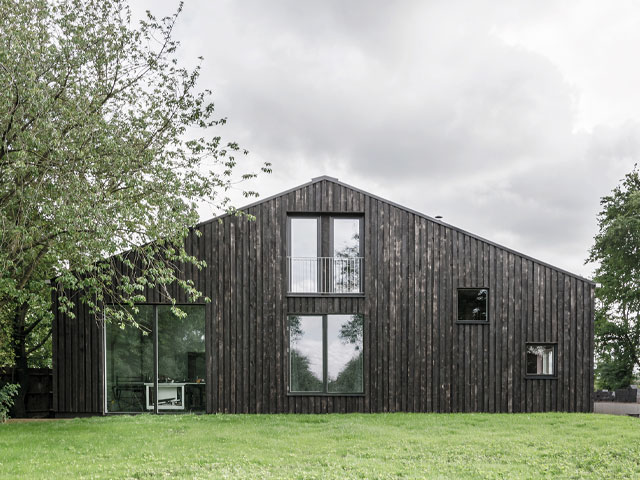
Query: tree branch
27, 276
40, 343
33, 325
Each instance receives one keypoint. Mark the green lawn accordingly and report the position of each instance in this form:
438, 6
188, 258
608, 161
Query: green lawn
325, 446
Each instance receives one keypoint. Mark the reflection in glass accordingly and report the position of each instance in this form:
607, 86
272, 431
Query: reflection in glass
305, 342
346, 237
129, 362
346, 253
472, 304
181, 361
181, 367
303, 269
344, 353
540, 360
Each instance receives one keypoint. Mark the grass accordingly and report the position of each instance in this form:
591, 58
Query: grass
552, 445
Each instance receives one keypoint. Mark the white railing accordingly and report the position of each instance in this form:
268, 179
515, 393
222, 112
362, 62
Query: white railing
325, 274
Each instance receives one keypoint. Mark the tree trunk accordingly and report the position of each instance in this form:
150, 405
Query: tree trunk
20, 369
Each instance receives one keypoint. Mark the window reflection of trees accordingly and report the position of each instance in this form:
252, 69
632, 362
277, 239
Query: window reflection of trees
302, 377
181, 345
347, 266
349, 377
181, 356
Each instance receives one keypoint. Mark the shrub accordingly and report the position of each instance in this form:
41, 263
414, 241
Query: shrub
7, 393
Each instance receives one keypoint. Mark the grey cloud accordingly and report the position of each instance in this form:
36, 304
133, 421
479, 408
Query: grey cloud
419, 102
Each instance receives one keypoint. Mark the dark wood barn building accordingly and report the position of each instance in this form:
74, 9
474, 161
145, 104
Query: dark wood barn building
335, 300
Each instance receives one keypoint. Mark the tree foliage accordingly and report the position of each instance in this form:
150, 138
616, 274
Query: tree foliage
617, 250
7, 392
106, 146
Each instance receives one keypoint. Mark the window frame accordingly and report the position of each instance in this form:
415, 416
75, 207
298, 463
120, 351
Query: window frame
325, 358
154, 340
542, 376
292, 216
319, 230
325, 246
456, 307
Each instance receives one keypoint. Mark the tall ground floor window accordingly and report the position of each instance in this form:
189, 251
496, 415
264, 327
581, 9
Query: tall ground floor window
130, 356
326, 354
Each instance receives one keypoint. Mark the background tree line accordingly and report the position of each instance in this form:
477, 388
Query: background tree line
616, 250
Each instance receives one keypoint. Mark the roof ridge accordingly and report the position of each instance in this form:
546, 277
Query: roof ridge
407, 209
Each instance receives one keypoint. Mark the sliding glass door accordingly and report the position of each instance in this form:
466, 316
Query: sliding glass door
130, 354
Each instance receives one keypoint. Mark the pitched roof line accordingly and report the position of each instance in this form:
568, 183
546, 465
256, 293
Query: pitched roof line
407, 209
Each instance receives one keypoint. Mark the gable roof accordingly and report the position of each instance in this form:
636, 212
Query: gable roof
406, 209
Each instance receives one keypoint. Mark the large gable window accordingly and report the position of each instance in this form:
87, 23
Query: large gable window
324, 254
325, 354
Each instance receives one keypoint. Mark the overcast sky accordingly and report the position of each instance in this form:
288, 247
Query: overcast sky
509, 119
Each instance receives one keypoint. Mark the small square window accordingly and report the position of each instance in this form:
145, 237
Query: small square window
473, 304
540, 359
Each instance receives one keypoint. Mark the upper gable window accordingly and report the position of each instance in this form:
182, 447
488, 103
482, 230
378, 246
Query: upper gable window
304, 237
345, 265
324, 254
473, 305
303, 254
346, 237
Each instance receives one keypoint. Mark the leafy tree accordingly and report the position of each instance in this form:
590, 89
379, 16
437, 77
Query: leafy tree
106, 146
617, 249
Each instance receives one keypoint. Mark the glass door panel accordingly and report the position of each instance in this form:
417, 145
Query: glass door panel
305, 350
181, 359
344, 353
347, 261
303, 259
129, 362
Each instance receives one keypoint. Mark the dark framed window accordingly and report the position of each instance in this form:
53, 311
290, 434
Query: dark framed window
325, 254
473, 305
163, 357
541, 359
303, 252
326, 354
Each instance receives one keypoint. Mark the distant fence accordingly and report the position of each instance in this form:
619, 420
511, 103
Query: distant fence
622, 395
604, 396
628, 395
39, 402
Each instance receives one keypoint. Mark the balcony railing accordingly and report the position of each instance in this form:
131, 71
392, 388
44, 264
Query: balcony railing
325, 274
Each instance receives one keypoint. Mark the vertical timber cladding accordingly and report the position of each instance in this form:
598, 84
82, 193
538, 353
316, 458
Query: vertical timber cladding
416, 357
77, 351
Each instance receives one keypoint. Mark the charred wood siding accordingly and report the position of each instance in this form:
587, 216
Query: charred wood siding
77, 362
416, 357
